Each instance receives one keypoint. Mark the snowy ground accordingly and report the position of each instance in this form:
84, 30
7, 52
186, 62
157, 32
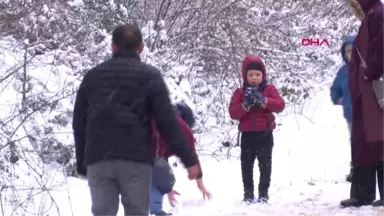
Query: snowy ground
310, 161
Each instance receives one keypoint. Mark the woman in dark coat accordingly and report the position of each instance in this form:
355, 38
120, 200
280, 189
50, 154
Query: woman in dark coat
367, 117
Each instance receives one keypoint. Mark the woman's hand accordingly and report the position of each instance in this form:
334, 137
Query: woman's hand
203, 190
172, 197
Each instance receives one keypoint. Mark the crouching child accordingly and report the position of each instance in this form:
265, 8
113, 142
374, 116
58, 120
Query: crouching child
163, 179
253, 105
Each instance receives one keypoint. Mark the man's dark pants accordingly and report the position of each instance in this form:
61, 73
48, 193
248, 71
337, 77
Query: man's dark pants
109, 179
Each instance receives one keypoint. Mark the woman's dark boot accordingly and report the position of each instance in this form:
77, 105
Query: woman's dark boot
353, 202
378, 203
363, 187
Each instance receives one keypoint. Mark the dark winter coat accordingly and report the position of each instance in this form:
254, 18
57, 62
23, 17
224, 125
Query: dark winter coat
115, 106
256, 119
340, 86
162, 176
367, 117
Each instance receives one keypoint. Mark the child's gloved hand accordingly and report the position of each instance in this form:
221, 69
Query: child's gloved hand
260, 100
249, 97
248, 103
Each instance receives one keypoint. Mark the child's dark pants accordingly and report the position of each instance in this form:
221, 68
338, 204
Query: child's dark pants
256, 145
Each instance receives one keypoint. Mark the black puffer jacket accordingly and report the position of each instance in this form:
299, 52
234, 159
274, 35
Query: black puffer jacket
113, 114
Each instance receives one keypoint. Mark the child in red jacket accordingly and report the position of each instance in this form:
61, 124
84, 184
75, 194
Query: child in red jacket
253, 106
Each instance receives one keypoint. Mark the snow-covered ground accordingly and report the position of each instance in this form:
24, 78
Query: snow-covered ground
310, 161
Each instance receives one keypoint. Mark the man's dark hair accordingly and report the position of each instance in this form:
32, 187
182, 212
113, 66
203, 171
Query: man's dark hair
127, 36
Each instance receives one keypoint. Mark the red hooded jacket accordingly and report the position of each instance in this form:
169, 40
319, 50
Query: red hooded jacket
164, 150
256, 119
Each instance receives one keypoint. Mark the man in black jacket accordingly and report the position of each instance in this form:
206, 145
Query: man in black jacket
112, 124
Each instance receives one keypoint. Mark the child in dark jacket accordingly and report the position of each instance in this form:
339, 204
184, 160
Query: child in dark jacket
253, 105
340, 88
161, 181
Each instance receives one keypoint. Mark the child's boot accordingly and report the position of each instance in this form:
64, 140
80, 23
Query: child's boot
248, 197
263, 197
